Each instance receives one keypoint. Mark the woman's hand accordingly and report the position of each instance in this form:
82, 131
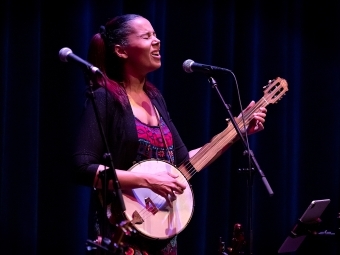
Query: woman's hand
166, 185
256, 124
163, 183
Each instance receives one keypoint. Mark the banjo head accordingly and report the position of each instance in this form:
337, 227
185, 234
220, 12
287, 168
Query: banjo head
150, 213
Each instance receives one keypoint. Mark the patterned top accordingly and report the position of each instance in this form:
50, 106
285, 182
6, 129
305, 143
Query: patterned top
151, 145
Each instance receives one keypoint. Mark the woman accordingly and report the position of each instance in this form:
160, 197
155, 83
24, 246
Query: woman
135, 122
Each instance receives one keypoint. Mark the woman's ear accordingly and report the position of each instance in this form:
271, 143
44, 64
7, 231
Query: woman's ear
119, 50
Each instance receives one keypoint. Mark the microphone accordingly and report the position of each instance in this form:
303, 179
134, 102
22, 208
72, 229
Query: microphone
66, 55
190, 66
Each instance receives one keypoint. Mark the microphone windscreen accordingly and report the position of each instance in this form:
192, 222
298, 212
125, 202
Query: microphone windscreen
63, 53
187, 65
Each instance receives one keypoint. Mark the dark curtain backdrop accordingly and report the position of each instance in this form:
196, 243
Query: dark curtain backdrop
42, 211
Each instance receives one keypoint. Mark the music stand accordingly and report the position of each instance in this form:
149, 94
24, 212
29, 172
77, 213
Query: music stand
306, 225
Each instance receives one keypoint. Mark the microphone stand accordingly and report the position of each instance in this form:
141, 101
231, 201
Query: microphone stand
108, 174
253, 161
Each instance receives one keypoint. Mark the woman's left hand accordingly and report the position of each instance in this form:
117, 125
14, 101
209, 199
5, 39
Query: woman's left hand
256, 124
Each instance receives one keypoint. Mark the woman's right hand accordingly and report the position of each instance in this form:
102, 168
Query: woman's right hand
166, 185
163, 183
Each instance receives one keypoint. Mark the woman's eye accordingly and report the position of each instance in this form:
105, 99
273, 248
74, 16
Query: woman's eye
148, 36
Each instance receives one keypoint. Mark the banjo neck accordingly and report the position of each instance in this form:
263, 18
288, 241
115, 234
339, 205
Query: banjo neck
273, 92
210, 151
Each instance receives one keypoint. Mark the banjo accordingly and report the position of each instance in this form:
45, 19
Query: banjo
149, 212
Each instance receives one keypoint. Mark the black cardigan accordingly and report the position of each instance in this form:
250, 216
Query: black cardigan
120, 130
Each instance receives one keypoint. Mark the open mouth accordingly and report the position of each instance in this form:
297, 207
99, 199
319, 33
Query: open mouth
155, 54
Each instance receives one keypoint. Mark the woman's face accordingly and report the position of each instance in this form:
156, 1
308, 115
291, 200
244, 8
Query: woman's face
142, 52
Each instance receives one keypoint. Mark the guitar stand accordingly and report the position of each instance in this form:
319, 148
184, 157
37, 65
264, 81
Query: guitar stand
237, 242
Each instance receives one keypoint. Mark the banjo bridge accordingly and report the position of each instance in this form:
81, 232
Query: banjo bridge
150, 206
